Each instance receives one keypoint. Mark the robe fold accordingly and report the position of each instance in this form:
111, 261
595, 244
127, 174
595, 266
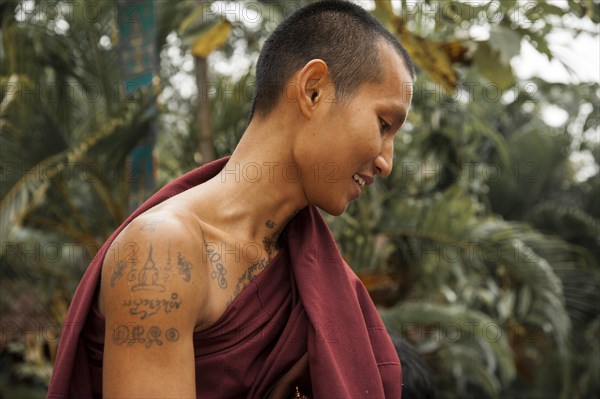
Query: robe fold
305, 320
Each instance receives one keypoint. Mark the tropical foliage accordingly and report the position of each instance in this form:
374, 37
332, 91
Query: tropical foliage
481, 248
66, 132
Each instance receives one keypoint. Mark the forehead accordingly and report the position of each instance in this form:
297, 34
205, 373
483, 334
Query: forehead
396, 78
394, 85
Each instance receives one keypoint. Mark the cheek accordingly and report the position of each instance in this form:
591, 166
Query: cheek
364, 126
377, 145
372, 143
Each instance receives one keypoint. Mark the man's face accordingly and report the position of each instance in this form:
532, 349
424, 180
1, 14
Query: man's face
354, 140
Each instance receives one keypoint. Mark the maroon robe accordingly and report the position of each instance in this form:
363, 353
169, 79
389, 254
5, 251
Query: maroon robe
306, 301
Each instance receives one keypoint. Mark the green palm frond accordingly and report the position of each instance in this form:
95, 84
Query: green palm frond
506, 269
569, 221
522, 252
30, 190
475, 342
447, 232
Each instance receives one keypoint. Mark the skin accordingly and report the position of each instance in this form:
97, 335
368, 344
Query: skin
175, 269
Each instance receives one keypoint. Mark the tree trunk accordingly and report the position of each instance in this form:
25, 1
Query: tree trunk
206, 149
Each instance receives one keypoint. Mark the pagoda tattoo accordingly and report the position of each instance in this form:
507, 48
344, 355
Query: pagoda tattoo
148, 276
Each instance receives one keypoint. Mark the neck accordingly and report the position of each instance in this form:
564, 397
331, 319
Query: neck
259, 190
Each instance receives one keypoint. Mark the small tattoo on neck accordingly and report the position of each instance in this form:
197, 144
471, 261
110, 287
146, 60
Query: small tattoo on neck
270, 224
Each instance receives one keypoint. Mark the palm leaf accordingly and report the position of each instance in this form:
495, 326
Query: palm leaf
468, 327
31, 189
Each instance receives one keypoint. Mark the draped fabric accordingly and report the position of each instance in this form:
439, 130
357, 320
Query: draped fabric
306, 318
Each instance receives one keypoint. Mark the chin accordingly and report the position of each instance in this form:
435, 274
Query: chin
327, 202
334, 209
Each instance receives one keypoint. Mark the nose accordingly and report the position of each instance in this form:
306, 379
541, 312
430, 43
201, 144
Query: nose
383, 162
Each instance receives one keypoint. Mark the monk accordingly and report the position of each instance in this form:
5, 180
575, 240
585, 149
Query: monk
227, 282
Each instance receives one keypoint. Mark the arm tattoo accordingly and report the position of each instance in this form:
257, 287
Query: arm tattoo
118, 272
172, 334
184, 267
133, 334
147, 307
121, 265
152, 276
148, 276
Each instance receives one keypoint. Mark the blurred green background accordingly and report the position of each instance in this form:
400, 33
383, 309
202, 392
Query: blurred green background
481, 249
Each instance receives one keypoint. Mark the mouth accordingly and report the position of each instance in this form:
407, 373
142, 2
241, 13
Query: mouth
362, 181
359, 180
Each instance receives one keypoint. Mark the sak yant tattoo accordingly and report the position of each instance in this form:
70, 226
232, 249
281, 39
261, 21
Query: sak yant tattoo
271, 243
172, 334
148, 277
152, 276
121, 264
118, 272
218, 271
167, 269
184, 267
247, 277
148, 307
132, 334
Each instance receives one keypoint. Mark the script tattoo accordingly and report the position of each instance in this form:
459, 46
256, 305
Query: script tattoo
148, 276
168, 266
247, 277
152, 276
127, 334
118, 272
131, 250
132, 334
271, 243
184, 267
153, 336
218, 271
172, 334
147, 307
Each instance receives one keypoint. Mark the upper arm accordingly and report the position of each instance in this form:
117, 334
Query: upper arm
152, 294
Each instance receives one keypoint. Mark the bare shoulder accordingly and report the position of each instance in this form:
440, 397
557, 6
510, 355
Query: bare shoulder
152, 294
157, 258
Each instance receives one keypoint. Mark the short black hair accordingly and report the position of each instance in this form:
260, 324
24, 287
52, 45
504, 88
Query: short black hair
342, 34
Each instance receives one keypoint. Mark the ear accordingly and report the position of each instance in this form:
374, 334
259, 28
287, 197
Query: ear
312, 81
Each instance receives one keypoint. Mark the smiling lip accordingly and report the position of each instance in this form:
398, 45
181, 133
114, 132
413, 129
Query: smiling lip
367, 181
